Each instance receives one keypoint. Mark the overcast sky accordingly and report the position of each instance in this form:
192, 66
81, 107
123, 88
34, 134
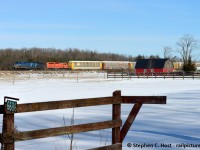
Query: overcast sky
129, 27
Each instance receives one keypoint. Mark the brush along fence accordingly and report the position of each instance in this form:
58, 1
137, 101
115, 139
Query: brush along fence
8, 137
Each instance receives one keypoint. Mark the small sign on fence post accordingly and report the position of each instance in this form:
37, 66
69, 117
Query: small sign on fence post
10, 107
11, 104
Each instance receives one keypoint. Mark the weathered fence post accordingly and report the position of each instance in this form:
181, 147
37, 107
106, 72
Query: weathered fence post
13, 76
8, 129
107, 74
77, 76
116, 114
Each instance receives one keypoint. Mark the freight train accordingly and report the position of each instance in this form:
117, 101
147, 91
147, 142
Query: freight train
86, 65
75, 65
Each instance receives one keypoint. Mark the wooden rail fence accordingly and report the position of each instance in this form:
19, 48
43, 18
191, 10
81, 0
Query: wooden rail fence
8, 137
127, 75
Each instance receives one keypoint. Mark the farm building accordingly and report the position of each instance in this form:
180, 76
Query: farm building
154, 66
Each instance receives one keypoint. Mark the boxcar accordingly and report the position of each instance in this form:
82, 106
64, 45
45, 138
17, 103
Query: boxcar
85, 65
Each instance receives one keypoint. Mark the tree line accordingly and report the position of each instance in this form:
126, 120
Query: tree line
9, 56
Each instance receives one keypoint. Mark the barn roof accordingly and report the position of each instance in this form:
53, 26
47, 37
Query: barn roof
150, 63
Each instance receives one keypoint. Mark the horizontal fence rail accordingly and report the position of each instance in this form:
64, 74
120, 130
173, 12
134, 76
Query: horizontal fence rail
55, 74
144, 99
173, 75
43, 133
42, 106
8, 136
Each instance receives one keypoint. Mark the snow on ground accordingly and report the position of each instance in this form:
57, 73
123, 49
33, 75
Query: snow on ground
176, 123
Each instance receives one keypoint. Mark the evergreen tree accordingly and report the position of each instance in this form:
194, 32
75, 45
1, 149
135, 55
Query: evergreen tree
189, 67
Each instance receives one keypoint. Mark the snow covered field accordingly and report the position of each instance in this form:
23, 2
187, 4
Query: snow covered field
174, 124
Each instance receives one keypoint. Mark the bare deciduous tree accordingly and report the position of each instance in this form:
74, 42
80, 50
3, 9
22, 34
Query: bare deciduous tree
185, 46
167, 51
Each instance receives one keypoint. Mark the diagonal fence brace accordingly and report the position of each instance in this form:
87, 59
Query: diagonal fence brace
129, 121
